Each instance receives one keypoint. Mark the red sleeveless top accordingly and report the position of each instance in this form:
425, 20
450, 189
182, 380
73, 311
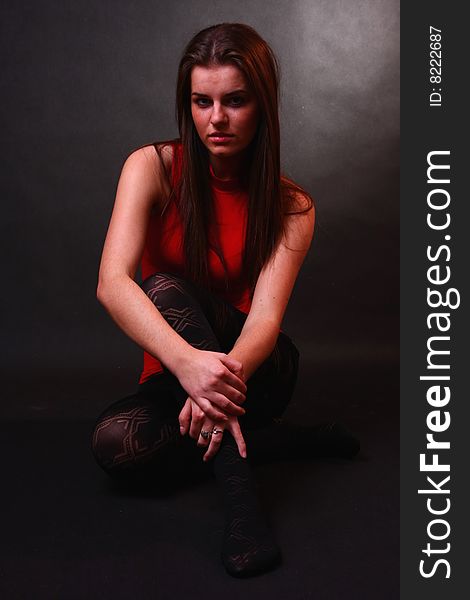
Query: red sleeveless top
163, 249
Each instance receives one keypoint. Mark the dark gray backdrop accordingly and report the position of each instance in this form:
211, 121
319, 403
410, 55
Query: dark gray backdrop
84, 83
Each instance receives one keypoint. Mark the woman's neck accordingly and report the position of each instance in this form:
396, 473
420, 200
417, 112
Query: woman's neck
231, 167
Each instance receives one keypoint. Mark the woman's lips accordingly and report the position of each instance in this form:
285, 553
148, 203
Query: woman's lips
220, 138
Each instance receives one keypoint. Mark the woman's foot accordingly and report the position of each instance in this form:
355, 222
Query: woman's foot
248, 546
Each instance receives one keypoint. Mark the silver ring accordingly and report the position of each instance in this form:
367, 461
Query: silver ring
215, 431
205, 434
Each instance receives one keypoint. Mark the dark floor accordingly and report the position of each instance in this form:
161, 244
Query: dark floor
67, 534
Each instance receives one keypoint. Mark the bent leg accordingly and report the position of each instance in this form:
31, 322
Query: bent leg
179, 303
137, 440
248, 546
209, 323
272, 386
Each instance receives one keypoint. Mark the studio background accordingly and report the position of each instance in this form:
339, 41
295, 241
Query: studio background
84, 83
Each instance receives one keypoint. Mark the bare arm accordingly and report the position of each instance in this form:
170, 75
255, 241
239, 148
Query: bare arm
128, 305
272, 292
204, 375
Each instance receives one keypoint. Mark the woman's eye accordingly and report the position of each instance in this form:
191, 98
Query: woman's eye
233, 101
236, 100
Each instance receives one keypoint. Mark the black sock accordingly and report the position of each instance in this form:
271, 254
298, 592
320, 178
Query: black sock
249, 546
284, 440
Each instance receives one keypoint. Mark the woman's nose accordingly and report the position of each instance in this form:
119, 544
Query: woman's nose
218, 114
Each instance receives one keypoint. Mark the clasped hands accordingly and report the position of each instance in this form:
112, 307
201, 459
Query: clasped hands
216, 388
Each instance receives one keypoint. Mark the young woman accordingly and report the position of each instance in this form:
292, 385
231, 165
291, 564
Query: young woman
220, 235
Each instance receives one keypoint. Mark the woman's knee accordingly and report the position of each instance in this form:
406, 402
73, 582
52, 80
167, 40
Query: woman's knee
272, 387
129, 439
184, 308
112, 443
286, 358
166, 291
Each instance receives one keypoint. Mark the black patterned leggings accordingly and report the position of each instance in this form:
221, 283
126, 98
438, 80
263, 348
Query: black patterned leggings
138, 437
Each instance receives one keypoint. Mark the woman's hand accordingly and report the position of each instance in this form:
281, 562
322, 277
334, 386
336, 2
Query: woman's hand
193, 418
215, 383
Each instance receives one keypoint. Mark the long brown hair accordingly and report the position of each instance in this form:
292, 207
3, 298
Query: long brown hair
270, 195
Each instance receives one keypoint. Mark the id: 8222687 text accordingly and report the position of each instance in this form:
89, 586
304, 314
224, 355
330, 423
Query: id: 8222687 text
435, 66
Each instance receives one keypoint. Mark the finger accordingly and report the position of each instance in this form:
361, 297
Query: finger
234, 381
238, 437
206, 426
210, 410
223, 403
234, 373
196, 424
215, 441
230, 392
184, 417
232, 363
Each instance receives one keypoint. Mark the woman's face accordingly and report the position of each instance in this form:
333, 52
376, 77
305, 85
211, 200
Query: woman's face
222, 104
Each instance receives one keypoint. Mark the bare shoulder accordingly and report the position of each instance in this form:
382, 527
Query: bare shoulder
296, 199
149, 168
162, 154
165, 150
299, 215
302, 201
151, 158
